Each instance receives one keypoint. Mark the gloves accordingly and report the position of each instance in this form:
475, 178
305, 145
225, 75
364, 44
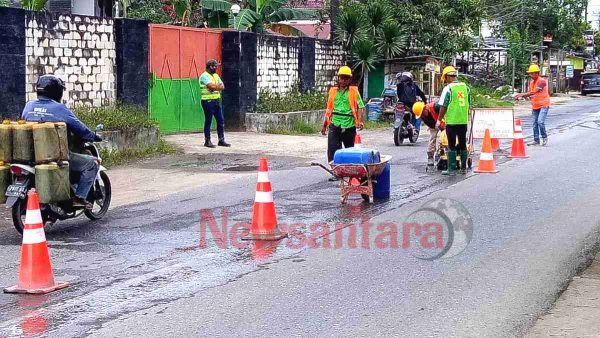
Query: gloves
97, 138
438, 123
360, 126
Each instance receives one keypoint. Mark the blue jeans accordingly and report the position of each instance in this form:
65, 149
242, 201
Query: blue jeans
213, 108
87, 168
539, 123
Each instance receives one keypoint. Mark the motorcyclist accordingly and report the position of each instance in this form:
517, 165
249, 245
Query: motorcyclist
408, 91
48, 108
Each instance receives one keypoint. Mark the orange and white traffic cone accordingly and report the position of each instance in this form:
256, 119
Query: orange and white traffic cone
357, 141
35, 272
264, 217
495, 144
518, 145
486, 158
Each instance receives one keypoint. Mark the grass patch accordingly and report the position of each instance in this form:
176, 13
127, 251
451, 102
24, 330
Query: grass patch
294, 100
115, 158
299, 127
376, 124
115, 117
484, 97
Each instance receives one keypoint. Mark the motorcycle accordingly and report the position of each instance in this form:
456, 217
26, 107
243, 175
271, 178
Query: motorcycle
23, 179
403, 128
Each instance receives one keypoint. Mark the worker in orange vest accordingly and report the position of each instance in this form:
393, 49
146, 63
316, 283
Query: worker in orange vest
343, 115
540, 103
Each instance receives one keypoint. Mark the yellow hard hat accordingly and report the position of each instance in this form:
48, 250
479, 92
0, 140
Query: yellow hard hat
418, 108
449, 70
345, 70
533, 69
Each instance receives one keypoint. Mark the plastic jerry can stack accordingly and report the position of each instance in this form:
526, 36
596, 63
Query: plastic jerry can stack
6, 141
23, 142
52, 182
50, 142
4, 180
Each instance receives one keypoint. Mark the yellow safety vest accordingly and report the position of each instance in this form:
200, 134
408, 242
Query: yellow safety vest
206, 94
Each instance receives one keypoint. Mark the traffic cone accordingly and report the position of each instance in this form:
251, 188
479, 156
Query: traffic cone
495, 144
35, 273
264, 217
486, 158
518, 145
357, 141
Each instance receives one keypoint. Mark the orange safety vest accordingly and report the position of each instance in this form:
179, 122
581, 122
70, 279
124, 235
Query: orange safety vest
352, 97
541, 99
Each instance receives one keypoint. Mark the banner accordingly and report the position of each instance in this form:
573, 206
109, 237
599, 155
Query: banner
500, 122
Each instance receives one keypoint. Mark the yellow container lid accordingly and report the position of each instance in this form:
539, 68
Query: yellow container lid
49, 166
45, 125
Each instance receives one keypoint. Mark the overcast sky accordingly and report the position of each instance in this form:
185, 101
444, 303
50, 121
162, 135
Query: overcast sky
593, 12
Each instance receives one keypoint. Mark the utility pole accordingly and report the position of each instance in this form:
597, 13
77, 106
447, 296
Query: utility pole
335, 9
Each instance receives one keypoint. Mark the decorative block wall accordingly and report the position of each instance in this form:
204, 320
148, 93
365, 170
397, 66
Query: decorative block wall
328, 59
277, 63
78, 49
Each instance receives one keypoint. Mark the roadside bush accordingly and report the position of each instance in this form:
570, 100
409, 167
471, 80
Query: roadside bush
115, 117
294, 100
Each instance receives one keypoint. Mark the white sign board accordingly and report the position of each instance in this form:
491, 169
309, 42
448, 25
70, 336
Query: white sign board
569, 72
500, 122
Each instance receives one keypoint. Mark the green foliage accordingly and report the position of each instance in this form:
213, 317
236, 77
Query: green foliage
148, 10
365, 55
115, 117
299, 127
377, 124
258, 14
5, 3
351, 26
34, 5
391, 39
115, 158
294, 100
485, 97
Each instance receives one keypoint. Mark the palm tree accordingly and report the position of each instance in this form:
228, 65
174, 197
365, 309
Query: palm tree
392, 40
377, 13
351, 28
365, 56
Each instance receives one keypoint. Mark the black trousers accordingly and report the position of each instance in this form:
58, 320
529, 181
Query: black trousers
454, 131
338, 136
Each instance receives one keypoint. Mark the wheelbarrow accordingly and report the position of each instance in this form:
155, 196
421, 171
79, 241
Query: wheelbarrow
356, 179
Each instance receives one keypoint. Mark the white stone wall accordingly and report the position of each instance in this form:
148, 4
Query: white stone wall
329, 58
78, 49
277, 63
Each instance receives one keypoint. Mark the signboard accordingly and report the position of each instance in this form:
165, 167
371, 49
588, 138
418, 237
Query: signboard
500, 122
570, 72
548, 38
589, 41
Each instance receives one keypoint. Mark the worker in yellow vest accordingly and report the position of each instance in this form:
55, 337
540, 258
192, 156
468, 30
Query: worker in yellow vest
343, 115
211, 87
540, 103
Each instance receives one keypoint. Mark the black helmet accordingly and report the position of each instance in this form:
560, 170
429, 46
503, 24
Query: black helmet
51, 87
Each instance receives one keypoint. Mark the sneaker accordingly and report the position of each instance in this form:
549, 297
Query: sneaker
81, 203
544, 141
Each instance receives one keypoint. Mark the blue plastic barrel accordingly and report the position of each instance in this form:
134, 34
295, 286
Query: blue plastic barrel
381, 189
374, 111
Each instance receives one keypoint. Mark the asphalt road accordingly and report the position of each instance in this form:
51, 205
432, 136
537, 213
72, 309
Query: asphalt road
141, 271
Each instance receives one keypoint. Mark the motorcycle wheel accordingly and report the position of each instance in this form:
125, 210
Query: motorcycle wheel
18, 214
101, 201
398, 139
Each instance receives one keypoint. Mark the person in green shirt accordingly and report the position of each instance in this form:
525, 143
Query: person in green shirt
343, 115
455, 100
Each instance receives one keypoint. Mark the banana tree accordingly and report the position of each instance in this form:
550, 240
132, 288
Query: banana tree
256, 15
34, 5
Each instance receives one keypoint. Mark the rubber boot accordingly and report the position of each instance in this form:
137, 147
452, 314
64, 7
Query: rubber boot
451, 164
464, 156
430, 161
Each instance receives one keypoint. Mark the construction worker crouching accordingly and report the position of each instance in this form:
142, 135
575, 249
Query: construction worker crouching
428, 114
455, 104
343, 115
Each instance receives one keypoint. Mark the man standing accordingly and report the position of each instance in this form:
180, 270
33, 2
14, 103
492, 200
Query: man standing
343, 115
408, 91
211, 87
455, 101
540, 103
428, 113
